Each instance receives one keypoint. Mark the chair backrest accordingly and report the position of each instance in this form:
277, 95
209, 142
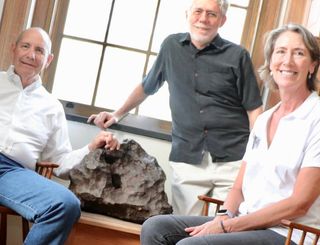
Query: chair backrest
305, 229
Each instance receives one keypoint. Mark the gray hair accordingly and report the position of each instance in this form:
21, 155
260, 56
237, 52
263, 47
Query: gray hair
310, 42
224, 4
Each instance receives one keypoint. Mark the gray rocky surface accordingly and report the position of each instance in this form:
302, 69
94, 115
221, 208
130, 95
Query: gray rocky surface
126, 184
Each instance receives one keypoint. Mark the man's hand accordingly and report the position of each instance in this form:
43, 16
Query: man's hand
103, 119
104, 139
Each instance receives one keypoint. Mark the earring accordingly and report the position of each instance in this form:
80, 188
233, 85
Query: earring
271, 74
310, 75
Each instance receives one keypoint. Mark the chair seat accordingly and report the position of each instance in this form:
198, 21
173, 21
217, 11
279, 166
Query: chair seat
6, 210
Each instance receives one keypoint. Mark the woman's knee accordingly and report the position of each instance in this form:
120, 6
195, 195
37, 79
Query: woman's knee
153, 223
153, 229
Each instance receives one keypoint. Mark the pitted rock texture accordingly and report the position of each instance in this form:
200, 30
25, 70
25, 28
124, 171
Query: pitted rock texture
126, 184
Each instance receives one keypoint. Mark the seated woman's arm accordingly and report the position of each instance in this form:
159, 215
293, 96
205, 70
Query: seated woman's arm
305, 192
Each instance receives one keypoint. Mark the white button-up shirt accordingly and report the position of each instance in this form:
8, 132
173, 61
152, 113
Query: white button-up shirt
33, 125
271, 172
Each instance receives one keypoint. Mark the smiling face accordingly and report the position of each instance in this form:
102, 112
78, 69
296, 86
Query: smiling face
204, 19
31, 55
290, 61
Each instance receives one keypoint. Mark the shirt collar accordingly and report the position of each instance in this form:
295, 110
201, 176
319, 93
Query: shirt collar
15, 79
304, 109
307, 106
217, 42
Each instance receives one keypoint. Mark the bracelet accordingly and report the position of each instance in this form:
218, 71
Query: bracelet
222, 226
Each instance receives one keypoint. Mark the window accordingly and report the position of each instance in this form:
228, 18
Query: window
1, 8
107, 47
313, 22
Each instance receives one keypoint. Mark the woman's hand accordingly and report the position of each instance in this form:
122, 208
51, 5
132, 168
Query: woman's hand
210, 227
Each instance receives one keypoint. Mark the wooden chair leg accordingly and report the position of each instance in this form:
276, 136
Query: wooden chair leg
3, 229
25, 228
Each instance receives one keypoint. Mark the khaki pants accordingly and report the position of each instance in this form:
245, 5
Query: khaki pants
189, 181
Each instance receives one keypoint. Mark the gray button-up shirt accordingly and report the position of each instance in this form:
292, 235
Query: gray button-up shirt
211, 91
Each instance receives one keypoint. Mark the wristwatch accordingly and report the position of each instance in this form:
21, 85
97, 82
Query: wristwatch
225, 212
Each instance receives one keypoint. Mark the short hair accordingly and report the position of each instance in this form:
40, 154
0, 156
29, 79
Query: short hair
224, 4
310, 42
43, 33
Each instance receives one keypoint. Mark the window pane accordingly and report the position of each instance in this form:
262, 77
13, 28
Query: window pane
88, 19
157, 105
172, 12
132, 22
1, 8
313, 23
76, 71
232, 29
122, 70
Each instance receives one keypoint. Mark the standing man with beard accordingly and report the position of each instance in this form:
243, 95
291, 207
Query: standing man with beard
214, 100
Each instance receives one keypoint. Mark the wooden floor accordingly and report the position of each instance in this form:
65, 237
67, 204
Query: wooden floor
95, 229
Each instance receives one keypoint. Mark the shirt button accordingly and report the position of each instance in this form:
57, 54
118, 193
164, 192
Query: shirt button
201, 111
196, 74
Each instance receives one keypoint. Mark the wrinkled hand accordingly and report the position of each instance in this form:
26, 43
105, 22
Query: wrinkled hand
104, 139
210, 227
103, 119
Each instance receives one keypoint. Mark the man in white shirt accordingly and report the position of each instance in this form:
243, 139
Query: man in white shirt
33, 127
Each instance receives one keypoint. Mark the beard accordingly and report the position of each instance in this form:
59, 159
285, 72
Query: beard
202, 39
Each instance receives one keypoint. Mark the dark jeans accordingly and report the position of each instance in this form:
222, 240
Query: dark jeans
169, 230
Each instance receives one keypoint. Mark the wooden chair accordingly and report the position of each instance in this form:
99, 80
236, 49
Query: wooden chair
305, 229
287, 223
43, 168
207, 201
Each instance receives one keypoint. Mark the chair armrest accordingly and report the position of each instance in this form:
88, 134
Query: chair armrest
304, 228
207, 200
210, 199
46, 168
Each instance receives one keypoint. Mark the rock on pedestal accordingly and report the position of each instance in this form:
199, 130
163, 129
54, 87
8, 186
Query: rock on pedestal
126, 184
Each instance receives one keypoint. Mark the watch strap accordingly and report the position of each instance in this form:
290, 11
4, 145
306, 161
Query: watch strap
226, 212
